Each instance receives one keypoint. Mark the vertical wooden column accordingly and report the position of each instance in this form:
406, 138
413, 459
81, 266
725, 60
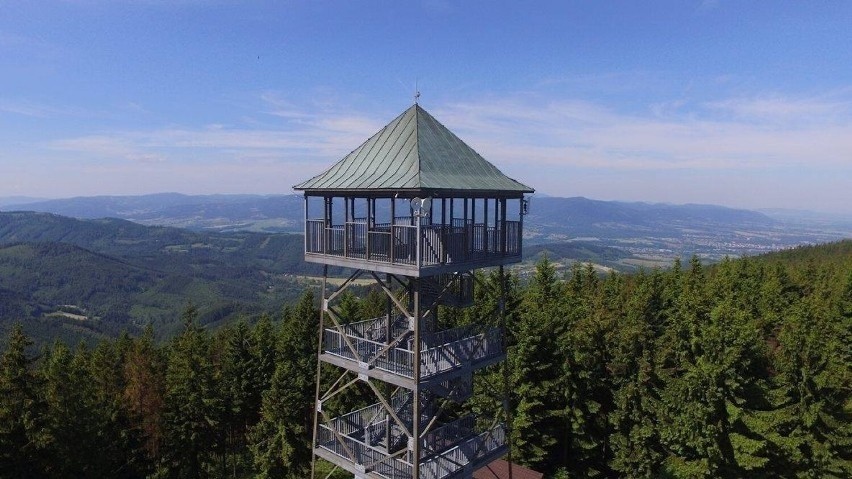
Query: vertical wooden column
416, 406
467, 233
392, 257
317, 406
308, 232
503, 232
326, 224
507, 387
521, 226
369, 226
345, 226
485, 225
443, 231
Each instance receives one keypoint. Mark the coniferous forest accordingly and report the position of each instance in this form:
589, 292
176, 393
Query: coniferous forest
738, 369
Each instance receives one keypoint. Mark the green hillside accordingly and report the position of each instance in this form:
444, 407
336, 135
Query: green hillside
76, 279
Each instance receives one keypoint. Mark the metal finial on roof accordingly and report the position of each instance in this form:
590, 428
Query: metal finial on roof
416, 92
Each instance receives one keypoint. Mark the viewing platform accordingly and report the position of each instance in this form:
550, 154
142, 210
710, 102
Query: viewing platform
404, 247
385, 352
370, 444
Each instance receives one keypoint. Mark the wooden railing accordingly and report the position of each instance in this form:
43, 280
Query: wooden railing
459, 242
360, 454
452, 460
440, 352
446, 450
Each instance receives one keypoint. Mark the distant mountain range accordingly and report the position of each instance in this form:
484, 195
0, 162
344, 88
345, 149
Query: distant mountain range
657, 232
277, 214
90, 267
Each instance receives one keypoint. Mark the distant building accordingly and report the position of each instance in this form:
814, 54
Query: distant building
499, 469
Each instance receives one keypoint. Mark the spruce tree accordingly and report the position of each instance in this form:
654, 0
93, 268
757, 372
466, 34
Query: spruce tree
118, 445
536, 372
587, 313
713, 370
193, 408
280, 442
637, 451
23, 436
236, 386
814, 379
143, 397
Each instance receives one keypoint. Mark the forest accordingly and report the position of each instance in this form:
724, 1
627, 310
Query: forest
736, 369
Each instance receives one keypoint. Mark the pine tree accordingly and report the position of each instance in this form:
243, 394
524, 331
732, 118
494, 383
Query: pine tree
264, 338
349, 308
117, 444
73, 421
536, 372
280, 442
587, 313
814, 378
637, 451
193, 409
242, 388
23, 437
143, 396
713, 371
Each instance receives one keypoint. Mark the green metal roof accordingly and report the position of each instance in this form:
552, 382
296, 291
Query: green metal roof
414, 153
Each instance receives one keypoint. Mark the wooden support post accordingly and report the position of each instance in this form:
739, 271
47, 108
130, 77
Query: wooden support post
307, 225
507, 407
485, 224
503, 231
392, 257
319, 368
415, 423
466, 233
443, 231
521, 227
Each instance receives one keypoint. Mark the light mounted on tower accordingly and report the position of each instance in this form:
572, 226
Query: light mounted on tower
421, 206
525, 205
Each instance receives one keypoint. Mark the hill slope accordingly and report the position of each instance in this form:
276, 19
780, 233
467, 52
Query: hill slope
116, 275
655, 233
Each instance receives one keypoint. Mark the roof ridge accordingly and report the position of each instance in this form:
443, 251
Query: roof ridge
417, 144
402, 156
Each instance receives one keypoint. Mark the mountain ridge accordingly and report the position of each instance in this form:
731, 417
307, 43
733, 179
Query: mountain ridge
655, 231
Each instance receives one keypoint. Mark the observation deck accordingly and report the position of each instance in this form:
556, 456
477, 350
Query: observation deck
370, 444
384, 351
404, 247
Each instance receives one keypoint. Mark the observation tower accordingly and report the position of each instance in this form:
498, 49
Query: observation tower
417, 211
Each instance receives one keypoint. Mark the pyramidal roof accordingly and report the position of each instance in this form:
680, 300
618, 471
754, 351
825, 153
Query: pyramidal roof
414, 153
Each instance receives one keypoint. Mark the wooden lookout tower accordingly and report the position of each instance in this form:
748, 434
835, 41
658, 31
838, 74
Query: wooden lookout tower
416, 210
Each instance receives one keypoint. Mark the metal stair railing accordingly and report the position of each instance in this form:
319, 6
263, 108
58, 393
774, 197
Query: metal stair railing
455, 459
440, 352
379, 462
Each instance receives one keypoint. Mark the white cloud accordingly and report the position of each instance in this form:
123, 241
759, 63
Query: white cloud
27, 108
778, 109
564, 146
570, 133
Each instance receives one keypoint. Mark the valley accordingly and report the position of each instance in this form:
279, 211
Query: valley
85, 268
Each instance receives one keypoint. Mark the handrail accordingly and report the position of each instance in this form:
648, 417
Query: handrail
457, 242
463, 446
440, 352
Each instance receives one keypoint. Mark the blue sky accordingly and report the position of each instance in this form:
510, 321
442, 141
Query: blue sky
744, 104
